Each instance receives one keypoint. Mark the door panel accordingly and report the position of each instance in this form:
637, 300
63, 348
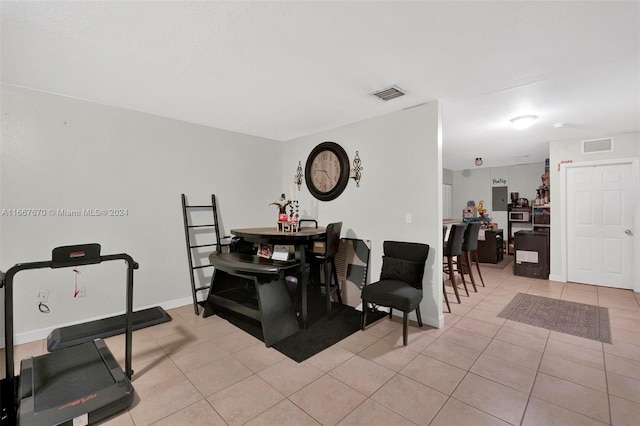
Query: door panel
584, 254
613, 255
599, 210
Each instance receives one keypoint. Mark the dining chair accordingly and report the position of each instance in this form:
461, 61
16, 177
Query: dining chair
400, 284
326, 260
470, 251
451, 251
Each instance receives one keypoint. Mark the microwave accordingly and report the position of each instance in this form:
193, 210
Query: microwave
519, 216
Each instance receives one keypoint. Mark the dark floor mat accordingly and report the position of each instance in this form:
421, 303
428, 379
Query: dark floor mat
320, 333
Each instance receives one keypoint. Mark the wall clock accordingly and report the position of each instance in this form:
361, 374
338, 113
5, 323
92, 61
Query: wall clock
327, 171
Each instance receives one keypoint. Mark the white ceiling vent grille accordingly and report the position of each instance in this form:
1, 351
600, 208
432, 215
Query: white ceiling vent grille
390, 93
597, 145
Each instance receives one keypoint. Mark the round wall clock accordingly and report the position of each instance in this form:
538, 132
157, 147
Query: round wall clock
327, 171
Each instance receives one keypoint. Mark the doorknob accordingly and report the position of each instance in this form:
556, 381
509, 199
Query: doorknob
628, 232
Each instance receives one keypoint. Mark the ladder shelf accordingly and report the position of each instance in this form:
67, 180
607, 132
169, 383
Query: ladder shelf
190, 237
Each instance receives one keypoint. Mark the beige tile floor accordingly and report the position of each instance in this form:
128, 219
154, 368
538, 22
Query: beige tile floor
478, 370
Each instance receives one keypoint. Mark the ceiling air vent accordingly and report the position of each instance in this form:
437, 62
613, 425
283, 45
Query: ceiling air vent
390, 93
597, 145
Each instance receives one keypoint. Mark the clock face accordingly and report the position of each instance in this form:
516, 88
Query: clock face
327, 171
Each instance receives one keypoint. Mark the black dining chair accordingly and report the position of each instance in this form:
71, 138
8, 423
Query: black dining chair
326, 260
451, 251
400, 284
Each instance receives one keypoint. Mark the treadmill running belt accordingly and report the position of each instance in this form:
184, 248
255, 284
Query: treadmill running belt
103, 328
60, 377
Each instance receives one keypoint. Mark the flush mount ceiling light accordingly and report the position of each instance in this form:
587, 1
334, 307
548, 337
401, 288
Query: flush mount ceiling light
523, 121
478, 161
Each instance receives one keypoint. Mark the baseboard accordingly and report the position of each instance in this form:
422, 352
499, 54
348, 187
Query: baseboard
32, 336
556, 278
433, 321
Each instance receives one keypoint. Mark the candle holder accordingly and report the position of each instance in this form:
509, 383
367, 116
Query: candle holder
287, 222
356, 172
297, 179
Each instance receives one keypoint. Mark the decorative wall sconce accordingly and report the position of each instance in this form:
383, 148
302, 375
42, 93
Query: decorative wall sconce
297, 179
356, 172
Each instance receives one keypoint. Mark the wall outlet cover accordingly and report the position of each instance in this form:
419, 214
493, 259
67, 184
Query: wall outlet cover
43, 296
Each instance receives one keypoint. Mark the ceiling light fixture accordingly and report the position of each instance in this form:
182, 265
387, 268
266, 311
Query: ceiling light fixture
523, 121
478, 161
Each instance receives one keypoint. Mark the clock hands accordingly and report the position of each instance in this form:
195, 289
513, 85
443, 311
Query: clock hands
324, 171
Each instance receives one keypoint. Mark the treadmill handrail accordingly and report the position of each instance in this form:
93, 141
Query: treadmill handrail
7, 283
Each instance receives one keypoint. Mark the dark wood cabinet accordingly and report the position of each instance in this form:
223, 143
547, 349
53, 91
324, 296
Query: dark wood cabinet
490, 250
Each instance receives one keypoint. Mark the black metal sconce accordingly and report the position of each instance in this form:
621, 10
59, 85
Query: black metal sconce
356, 172
297, 179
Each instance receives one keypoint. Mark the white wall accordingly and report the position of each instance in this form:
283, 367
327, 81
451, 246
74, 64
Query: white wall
476, 184
402, 174
626, 146
63, 153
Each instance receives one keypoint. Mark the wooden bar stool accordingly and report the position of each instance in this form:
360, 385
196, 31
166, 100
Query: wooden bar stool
452, 250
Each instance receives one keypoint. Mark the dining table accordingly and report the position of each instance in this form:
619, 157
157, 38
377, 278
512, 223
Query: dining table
300, 240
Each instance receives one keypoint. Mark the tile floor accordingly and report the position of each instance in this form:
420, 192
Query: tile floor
478, 370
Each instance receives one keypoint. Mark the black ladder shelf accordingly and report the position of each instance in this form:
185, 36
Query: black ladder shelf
188, 227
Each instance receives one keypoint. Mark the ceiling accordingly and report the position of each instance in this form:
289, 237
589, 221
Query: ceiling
281, 70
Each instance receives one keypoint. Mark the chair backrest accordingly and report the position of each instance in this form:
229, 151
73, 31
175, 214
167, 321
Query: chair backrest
333, 239
312, 221
471, 237
404, 261
456, 238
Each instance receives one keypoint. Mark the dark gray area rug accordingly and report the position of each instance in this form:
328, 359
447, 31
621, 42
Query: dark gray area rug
320, 333
577, 319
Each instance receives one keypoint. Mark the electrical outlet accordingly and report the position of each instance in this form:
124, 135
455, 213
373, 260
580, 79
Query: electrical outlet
82, 291
43, 296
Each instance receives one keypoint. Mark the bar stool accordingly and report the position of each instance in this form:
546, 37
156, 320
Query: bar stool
444, 289
452, 250
470, 249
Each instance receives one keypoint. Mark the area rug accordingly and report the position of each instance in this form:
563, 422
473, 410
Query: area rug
320, 333
577, 319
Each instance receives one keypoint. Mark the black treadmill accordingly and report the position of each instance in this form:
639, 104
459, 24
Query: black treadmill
77, 385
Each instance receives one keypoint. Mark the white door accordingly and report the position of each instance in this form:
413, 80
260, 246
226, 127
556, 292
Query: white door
599, 225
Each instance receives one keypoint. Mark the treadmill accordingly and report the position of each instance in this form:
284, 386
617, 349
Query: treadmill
77, 385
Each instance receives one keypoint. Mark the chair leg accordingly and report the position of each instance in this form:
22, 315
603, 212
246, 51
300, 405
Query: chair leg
419, 316
446, 298
468, 265
390, 313
475, 256
405, 328
459, 268
365, 308
327, 290
335, 277
452, 278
